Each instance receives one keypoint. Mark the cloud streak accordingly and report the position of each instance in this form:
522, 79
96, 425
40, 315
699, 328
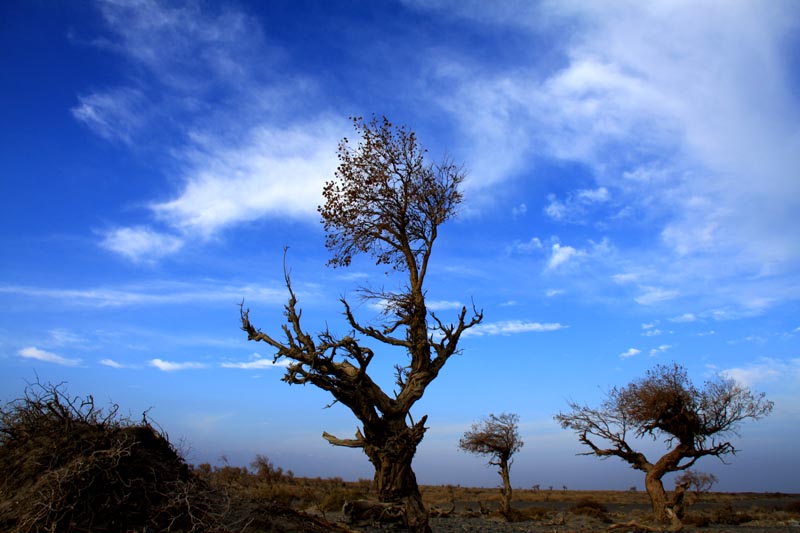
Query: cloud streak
36, 354
153, 294
512, 327
172, 366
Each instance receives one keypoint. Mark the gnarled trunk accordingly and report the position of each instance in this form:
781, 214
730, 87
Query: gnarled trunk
391, 447
658, 496
505, 508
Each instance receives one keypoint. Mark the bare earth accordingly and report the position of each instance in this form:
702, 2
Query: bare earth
558, 512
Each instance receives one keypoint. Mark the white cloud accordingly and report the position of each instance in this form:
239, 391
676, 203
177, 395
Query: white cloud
577, 206
140, 243
63, 337
550, 293
246, 139
526, 247
275, 171
695, 134
442, 305
652, 295
520, 210
765, 370
160, 37
170, 366
684, 318
560, 255
628, 277
661, 349
48, 357
117, 114
630, 353
256, 362
655, 332
113, 364
593, 196
511, 327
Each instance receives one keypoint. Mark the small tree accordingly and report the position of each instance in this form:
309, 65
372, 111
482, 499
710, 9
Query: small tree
699, 481
693, 422
385, 201
497, 437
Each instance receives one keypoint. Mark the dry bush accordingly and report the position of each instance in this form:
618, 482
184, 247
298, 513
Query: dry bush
528, 514
591, 508
66, 464
336, 498
727, 516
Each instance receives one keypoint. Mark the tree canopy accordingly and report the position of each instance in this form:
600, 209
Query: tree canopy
665, 404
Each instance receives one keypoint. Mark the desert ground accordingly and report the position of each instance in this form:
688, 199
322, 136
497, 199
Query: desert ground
466, 509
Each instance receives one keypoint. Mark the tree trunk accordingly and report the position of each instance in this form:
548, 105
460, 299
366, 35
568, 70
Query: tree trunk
391, 451
506, 490
658, 496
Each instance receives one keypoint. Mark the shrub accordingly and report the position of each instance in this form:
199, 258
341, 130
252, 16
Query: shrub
336, 498
591, 508
66, 464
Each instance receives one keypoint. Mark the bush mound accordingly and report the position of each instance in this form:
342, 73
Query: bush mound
67, 465
591, 508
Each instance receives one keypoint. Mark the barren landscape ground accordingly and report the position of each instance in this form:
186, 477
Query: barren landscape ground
466, 509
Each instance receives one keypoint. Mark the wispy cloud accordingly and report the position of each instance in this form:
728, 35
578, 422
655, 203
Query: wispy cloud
157, 293
116, 115
533, 245
256, 362
241, 152
630, 352
684, 318
32, 352
707, 168
275, 171
171, 366
443, 305
563, 257
577, 205
140, 243
652, 295
114, 364
560, 255
659, 350
765, 370
512, 327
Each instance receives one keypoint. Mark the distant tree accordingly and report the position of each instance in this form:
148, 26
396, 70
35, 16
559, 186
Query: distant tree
387, 202
498, 437
693, 422
699, 481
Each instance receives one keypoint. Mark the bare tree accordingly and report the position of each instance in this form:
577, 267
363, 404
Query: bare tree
385, 201
498, 437
693, 422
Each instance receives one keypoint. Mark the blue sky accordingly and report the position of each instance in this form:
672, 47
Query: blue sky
633, 198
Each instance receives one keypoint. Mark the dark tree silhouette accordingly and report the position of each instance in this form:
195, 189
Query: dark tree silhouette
693, 422
387, 202
498, 437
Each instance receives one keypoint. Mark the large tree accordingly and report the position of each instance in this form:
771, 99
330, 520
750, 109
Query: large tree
693, 423
498, 438
387, 202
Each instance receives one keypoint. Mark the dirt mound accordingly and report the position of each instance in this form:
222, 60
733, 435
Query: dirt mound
67, 465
